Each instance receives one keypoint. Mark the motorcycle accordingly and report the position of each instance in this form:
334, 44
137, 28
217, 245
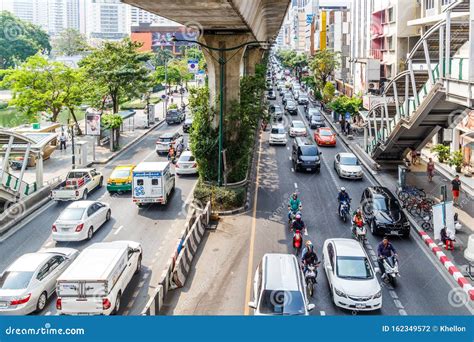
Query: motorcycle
359, 232
310, 275
391, 270
344, 210
292, 214
297, 241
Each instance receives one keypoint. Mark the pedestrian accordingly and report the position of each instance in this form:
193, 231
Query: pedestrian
62, 141
414, 157
456, 187
171, 153
348, 128
343, 125
447, 239
430, 167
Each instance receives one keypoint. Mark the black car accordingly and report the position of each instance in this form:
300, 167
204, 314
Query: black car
174, 116
291, 107
187, 125
312, 111
316, 121
305, 155
383, 213
271, 95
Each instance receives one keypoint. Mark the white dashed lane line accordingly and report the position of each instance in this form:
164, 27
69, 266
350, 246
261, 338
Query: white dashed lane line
118, 230
296, 186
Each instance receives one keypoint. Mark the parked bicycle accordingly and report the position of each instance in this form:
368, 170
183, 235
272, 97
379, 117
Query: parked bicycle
410, 191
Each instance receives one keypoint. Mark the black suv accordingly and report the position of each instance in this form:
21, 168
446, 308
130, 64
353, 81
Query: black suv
383, 213
305, 155
174, 116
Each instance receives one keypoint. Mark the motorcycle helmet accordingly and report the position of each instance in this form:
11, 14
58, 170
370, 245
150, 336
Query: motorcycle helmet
295, 195
309, 244
298, 217
343, 189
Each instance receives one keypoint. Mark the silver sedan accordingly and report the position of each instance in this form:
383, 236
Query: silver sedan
28, 282
347, 166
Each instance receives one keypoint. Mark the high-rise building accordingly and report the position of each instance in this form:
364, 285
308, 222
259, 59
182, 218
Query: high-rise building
139, 16
105, 19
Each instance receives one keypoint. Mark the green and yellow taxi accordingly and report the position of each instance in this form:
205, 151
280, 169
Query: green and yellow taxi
121, 179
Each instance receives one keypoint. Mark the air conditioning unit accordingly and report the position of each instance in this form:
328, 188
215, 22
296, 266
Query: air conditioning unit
373, 86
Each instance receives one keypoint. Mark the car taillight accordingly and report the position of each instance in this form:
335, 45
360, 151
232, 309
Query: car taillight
79, 227
106, 303
22, 300
59, 304
54, 228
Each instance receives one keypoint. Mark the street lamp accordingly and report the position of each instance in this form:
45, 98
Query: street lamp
222, 61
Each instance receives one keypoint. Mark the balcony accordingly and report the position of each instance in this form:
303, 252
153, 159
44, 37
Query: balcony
376, 54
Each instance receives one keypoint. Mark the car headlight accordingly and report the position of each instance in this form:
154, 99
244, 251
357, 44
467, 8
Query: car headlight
406, 224
340, 293
378, 294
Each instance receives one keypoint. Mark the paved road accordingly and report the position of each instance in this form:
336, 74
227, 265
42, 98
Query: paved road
156, 227
222, 272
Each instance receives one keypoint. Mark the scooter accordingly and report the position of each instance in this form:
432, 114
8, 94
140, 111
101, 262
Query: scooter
310, 275
344, 211
297, 241
359, 231
292, 214
391, 270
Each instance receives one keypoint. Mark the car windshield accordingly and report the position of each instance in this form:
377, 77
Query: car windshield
354, 268
280, 302
279, 130
71, 214
316, 118
172, 113
120, 174
313, 111
309, 151
325, 133
298, 124
15, 280
186, 158
349, 161
290, 103
385, 204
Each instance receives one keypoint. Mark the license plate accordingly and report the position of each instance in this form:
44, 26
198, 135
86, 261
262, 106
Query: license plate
66, 229
394, 232
360, 306
3, 304
308, 169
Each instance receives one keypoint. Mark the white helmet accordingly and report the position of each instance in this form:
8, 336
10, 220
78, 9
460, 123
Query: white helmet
343, 188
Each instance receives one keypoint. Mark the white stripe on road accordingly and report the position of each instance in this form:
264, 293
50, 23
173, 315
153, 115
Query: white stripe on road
292, 170
49, 243
323, 313
118, 230
296, 186
393, 294
402, 312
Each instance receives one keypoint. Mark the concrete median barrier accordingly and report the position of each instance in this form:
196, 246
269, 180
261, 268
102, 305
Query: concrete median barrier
177, 269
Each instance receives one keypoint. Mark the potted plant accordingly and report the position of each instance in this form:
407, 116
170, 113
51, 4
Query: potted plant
442, 151
456, 159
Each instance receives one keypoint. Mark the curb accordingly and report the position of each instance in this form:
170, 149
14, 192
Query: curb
453, 270
126, 147
232, 212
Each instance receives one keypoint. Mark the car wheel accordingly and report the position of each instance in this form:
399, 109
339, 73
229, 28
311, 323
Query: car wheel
406, 235
90, 233
84, 195
109, 214
373, 228
41, 304
139, 265
117, 304
101, 182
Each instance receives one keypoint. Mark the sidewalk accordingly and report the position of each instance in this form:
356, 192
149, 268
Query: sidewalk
388, 176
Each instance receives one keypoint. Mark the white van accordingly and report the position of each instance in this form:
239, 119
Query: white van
96, 280
152, 182
279, 287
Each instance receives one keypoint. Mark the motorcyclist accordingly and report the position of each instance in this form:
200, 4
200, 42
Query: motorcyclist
293, 205
357, 220
343, 196
309, 256
385, 250
298, 223
179, 148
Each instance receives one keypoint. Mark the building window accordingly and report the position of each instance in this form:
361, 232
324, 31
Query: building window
446, 2
429, 4
390, 15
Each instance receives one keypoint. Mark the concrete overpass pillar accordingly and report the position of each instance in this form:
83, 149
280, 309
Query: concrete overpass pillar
233, 61
254, 56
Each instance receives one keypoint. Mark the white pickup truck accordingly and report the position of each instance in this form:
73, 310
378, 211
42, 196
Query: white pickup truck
78, 184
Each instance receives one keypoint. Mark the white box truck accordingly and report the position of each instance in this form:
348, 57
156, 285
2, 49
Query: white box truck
152, 182
94, 283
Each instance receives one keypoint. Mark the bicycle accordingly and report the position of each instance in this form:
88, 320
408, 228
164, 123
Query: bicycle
410, 191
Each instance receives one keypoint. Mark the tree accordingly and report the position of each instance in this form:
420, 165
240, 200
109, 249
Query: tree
70, 43
161, 57
20, 40
323, 65
328, 92
113, 122
116, 70
39, 85
171, 74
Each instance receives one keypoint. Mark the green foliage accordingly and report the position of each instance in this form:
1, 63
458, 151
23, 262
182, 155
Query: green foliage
161, 57
285, 57
116, 70
70, 42
3, 105
20, 40
328, 92
442, 151
173, 106
323, 65
221, 198
317, 95
171, 74
456, 159
112, 121
344, 104
39, 85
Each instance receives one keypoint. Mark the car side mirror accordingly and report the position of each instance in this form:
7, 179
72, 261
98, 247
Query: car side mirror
136, 250
320, 153
329, 267
252, 305
311, 307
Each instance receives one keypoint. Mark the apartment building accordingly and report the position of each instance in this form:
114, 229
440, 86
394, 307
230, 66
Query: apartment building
338, 39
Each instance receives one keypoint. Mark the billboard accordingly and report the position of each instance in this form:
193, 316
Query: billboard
92, 123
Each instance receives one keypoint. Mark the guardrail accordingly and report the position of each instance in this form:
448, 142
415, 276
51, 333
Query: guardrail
177, 268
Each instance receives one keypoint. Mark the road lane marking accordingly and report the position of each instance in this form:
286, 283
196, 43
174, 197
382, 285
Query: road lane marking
292, 170
118, 230
393, 294
323, 313
398, 304
402, 312
252, 235
296, 186
49, 243
48, 313
289, 158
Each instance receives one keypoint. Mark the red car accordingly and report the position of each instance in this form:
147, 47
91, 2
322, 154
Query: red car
325, 137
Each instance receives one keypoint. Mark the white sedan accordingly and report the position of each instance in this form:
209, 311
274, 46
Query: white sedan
347, 166
80, 220
298, 129
186, 164
350, 275
30, 280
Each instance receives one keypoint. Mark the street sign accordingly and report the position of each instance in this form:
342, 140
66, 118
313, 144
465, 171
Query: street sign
193, 66
309, 19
